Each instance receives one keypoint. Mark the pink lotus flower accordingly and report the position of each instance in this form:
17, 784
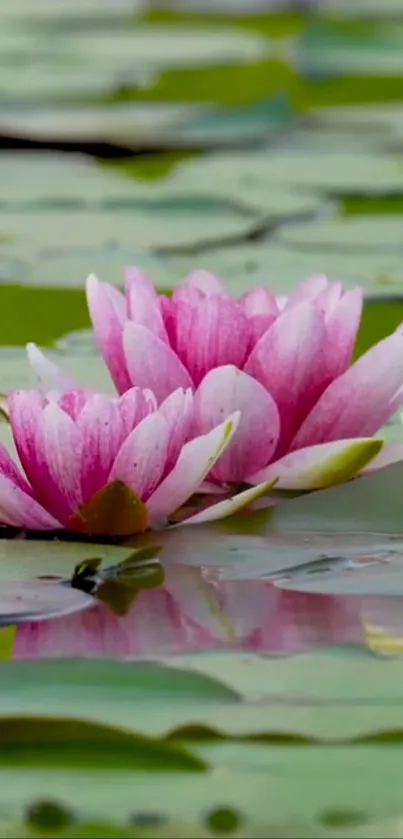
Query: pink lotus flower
307, 417
101, 465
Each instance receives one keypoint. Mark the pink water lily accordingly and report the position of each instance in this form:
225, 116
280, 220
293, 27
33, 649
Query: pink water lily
99, 465
307, 416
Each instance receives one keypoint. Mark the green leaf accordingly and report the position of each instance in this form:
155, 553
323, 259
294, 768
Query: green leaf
282, 267
379, 234
22, 601
323, 48
372, 503
72, 743
27, 559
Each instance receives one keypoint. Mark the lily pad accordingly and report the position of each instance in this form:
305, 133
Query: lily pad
156, 46
36, 600
383, 121
352, 234
26, 560
249, 179
323, 49
330, 171
61, 248
375, 575
364, 8
56, 181
244, 266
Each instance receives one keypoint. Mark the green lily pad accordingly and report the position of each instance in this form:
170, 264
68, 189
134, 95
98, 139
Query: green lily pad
56, 181
248, 179
156, 46
30, 559
36, 600
62, 247
352, 234
322, 48
282, 268
363, 7
331, 171
383, 121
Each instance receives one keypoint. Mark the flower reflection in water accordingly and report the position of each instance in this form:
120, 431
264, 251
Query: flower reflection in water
192, 614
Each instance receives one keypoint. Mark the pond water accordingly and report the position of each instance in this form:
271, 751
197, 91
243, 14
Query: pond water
262, 141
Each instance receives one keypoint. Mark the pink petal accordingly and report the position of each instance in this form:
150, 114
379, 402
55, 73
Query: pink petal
141, 459
203, 281
177, 410
211, 334
107, 308
151, 363
223, 391
342, 323
307, 290
229, 506
317, 467
133, 406
196, 459
9, 469
359, 402
25, 408
72, 402
143, 302
21, 510
261, 309
51, 377
102, 433
289, 362
59, 452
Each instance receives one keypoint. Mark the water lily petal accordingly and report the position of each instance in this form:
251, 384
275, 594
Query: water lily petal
107, 308
213, 333
223, 391
261, 309
177, 410
59, 452
317, 467
203, 281
11, 471
342, 324
307, 290
196, 459
143, 302
134, 405
50, 375
25, 408
359, 402
152, 363
289, 362
141, 459
229, 506
102, 433
73, 401
21, 510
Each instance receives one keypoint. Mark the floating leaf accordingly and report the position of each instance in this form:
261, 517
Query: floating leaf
74, 743
114, 510
27, 600
379, 234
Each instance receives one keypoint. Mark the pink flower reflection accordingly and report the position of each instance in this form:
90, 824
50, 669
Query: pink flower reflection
192, 614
